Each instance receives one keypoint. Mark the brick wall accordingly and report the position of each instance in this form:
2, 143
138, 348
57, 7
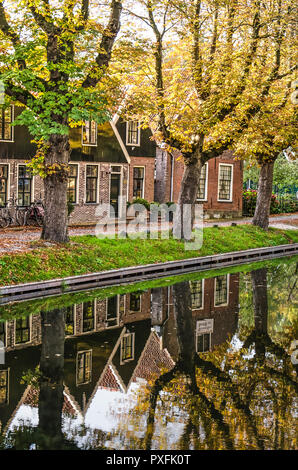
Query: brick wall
148, 164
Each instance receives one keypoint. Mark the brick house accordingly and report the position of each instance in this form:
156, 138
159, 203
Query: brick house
107, 161
220, 189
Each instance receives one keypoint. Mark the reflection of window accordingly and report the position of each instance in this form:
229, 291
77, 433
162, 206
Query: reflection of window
22, 330
112, 311
2, 333
6, 118
138, 182
24, 186
72, 184
127, 348
84, 367
204, 330
88, 316
91, 183
69, 320
4, 380
3, 184
132, 133
90, 133
135, 302
196, 289
221, 290
202, 189
225, 182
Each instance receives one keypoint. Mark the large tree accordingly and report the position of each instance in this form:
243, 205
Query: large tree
203, 84
54, 57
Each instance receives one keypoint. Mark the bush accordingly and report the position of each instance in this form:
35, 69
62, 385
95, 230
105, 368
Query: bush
139, 200
279, 204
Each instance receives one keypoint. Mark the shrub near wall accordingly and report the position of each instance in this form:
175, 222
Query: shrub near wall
279, 204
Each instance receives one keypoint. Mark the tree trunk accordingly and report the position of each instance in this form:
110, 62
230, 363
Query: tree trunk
187, 196
55, 227
262, 211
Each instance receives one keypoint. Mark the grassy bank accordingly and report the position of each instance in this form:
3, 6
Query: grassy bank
86, 254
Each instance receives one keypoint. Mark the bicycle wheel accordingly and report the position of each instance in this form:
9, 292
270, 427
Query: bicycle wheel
39, 221
20, 217
4, 222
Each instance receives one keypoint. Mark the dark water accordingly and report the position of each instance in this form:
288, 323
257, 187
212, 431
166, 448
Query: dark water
202, 364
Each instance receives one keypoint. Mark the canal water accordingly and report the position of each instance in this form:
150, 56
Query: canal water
203, 363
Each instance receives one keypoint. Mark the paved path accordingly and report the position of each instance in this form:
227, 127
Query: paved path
19, 239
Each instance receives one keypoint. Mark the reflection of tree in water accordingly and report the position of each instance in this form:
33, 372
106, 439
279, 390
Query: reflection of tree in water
242, 399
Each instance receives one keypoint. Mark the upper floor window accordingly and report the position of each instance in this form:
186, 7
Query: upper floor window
221, 290
4, 379
202, 189
138, 182
6, 129
91, 183
196, 289
89, 133
204, 331
72, 184
84, 367
127, 348
133, 133
225, 178
3, 184
112, 311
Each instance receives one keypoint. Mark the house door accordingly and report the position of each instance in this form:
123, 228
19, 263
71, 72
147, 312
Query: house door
115, 188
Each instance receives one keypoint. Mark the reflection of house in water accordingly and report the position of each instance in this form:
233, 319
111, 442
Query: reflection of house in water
112, 343
215, 305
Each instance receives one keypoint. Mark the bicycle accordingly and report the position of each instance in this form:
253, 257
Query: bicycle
34, 213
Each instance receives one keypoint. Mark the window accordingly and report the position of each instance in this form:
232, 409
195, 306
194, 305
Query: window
204, 330
22, 330
132, 133
88, 316
2, 333
135, 302
196, 289
72, 184
225, 182
138, 182
90, 133
221, 290
84, 367
24, 186
3, 184
112, 311
6, 129
4, 380
69, 320
91, 183
127, 348
202, 189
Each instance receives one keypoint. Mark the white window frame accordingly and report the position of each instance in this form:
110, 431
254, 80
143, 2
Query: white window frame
82, 135
228, 293
205, 332
205, 199
232, 178
12, 127
32, 184
8, 179
121, 185
143, 188
135, 311
139, 134
203, 292
8, 384
78, 182
97, 186
124, 361
15, 331
117, 318
94, 317
81, 352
